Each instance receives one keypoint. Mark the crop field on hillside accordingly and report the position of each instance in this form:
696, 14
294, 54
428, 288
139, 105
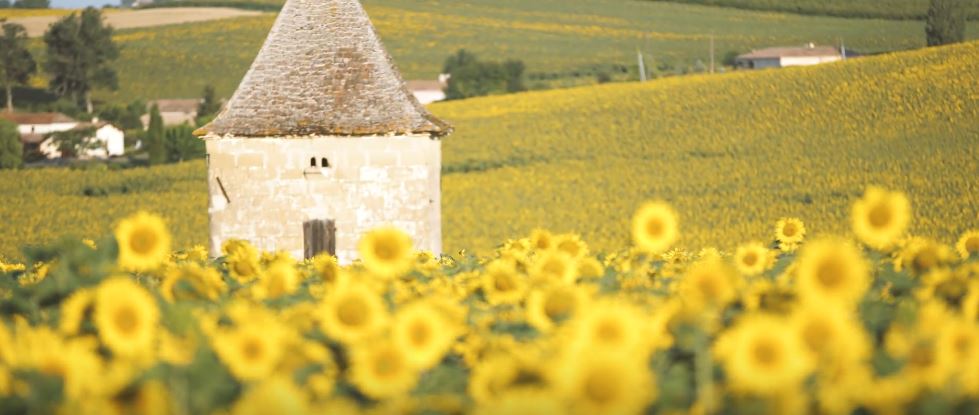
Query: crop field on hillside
562, 43
730, 152
889, 9
37, 24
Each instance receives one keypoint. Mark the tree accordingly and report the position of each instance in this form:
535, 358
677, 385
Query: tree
209, 104
32, 4
4, 4
73, 142
514, 72
946, 22
155, 136
16, 63
11, 150
79, 53
182, 144
470, 77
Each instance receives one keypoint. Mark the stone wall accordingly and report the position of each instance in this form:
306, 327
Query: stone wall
270, 188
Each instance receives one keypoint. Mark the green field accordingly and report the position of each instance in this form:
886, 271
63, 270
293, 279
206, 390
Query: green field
884, 9
562, 43
732, 152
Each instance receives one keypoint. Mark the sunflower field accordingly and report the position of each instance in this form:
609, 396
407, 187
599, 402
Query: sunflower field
883, 323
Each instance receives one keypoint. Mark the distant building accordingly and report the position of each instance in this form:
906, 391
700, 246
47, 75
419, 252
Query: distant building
35, 129
780, 57
427, 92
173, 111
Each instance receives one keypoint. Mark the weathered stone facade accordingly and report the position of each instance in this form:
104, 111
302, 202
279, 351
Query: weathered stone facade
264, 189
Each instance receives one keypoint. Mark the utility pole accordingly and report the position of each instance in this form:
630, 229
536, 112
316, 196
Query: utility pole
642, 67
842, 49
711, 53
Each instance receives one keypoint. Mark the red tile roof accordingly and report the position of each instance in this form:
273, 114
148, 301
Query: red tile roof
22, 118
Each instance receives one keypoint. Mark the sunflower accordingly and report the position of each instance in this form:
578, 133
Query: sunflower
230, 246
968, 244
502, 284
327, 268
960, 340
761, 356
572, 245
243, 264
351, 312
386, 252
277, 395
708, 285
279, 279
921, 256
789, 232
126, 316
541, 240
554, 267
612, 327
554, 304
832, 269
424, 333
251, 350
382, 370
191, 281
144, 242
881, 217
74, 310
654, 227
600, 382
831, 334
589, 267
522, 402
500, 373
752, 258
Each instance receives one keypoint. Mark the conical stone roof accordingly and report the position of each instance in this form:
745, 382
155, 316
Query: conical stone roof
323, 71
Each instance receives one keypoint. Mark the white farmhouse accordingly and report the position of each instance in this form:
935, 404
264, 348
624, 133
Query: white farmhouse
780, 57
427, 92
322, 142
34, 128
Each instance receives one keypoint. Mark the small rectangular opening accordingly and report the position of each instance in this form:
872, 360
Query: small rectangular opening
319, 236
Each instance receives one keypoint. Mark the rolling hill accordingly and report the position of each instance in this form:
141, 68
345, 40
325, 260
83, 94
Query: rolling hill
732, 152
562, 43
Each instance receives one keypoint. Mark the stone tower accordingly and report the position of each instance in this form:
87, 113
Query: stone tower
322, 142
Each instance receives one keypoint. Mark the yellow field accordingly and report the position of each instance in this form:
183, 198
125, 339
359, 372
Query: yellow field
125, 325
15, 13
733, 153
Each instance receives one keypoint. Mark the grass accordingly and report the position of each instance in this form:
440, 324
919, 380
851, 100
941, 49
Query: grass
731, 152
563, 44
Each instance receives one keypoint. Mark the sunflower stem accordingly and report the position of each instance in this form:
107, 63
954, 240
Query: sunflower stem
704, 374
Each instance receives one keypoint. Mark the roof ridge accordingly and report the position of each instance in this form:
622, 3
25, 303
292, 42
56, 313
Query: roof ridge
323, 71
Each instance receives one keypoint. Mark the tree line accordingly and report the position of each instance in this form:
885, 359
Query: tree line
78, 59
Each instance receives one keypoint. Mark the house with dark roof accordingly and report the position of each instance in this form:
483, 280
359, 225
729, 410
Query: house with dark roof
780, 57
322, 141
36, 129
173, 111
